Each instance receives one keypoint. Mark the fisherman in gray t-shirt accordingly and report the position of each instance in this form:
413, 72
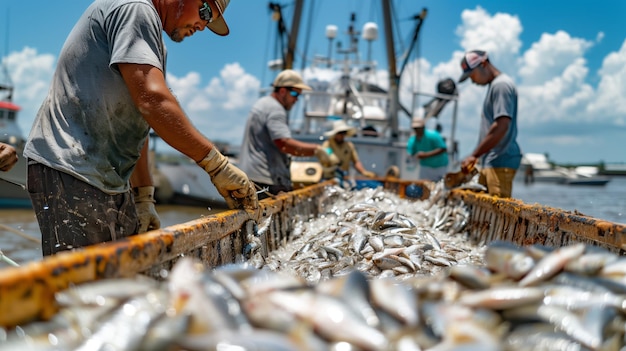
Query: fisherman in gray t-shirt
267, 141
497, 147
88, 145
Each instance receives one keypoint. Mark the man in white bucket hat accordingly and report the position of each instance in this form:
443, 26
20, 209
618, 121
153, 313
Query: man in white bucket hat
88, 173
267, 143
343, 153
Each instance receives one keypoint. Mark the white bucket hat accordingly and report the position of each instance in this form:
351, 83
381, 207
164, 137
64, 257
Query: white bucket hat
418, 122
340, 126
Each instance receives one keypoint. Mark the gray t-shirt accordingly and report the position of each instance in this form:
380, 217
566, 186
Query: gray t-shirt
260, 159
88, 125
501, 100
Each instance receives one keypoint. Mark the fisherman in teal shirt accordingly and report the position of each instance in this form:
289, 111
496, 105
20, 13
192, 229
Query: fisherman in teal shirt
430, 149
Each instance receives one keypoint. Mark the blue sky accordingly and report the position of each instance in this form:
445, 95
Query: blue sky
567, 57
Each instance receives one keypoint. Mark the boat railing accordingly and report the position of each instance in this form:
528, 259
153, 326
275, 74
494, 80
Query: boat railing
360, 109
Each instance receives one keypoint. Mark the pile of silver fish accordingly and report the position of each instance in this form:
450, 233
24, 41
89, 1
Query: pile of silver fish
377, 233
509, 298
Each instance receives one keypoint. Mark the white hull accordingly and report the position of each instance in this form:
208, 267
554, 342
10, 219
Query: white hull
184, 183
535, 168
13, 192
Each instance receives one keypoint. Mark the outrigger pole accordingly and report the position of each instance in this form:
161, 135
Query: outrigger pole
288, 53
394, 78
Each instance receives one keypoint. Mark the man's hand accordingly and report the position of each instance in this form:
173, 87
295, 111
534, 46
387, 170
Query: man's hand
233, 184
8, 157
369, 174
146, 213
467, 165
323, 156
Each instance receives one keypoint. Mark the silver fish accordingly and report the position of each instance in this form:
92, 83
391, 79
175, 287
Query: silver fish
552, 263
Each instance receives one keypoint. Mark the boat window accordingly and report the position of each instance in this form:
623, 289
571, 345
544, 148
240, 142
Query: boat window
370, 131
11, 116
1, 114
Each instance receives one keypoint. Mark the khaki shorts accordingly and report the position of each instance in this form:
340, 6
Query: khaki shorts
499, 181
73, 214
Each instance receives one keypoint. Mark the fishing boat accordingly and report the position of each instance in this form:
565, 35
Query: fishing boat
222, 238
12, 183
345, 87
351, 93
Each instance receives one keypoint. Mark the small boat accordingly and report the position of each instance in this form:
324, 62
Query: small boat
585, 175
12, 183
537, 168
592, 181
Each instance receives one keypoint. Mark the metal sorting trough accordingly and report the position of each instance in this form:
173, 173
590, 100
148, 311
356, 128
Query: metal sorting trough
27, 292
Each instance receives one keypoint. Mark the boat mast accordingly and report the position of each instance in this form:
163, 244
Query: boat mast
287, 53
293, 35
394, 78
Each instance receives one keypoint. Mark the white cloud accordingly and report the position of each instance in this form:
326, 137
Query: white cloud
31, 73
219, 110
611, 101
185, 88
497, 34
551, 56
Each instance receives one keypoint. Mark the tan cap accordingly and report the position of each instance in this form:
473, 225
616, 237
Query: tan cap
418, 122
218, 25
291, 79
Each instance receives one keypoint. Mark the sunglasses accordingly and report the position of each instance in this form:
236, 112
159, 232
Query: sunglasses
293, 93
206, 14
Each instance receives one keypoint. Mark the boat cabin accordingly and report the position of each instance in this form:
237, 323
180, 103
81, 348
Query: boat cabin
10, 132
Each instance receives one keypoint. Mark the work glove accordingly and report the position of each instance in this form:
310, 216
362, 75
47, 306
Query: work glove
369, 174
230, 181
146, 213
323, 156
333, 160
468, 164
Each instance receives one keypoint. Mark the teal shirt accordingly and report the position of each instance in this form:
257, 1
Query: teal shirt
430, 141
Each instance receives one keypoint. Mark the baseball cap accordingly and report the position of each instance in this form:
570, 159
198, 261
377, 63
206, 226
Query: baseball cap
290, 78
418, 122
218, 25
470, 61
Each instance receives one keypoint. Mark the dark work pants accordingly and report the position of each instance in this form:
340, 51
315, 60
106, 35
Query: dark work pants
73, 214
